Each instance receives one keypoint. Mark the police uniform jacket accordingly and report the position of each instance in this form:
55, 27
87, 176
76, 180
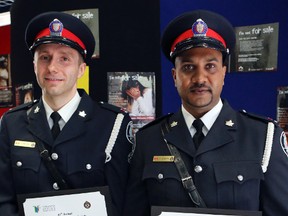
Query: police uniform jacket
226, 168
78, 152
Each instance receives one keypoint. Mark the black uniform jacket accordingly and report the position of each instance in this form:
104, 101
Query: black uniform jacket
78, 152
226, 168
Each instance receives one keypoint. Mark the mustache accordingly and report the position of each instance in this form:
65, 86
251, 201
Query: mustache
197, 86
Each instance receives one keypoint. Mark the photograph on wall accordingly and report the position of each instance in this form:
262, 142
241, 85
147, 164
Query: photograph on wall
24, 93
91, 18
256, 48
135, 93
282, 108
6, 94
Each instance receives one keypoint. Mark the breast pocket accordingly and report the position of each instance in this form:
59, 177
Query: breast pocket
85, 169
164, 184
26, 165
238, 184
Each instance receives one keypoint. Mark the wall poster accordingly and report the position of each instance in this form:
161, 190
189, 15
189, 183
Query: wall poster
135, 93
24, 93
282, 108
256, 48
6, 94
91, 18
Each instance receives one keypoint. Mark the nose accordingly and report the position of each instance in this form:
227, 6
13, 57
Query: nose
52, 67
199, 76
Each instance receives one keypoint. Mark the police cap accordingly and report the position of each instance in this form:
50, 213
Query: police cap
199, 28
60, 28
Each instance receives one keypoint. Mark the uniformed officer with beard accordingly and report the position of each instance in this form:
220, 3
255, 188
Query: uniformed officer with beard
207, 154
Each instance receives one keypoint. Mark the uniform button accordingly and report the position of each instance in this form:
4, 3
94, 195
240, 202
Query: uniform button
88, 166
198, 169
240, 178
54, 156
19, 164
55, 186
160, 176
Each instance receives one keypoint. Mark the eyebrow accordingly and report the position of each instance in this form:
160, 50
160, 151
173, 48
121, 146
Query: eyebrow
190, 59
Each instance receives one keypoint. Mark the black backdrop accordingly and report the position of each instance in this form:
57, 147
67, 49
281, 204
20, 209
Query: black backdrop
129, 32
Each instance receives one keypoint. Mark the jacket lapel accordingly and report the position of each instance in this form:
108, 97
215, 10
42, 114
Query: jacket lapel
179, 134
220, 133
38, 125
76, 125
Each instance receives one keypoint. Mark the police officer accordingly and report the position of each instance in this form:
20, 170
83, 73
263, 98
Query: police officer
234, 160
89, 143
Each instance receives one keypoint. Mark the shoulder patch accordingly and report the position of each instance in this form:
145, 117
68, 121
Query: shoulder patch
112, 107
25, 106
258, 117
156, 121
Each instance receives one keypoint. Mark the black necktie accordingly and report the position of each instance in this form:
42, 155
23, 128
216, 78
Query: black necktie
55, 130
198, 136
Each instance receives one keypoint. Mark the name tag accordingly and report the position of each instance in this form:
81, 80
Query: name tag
168, 158
25, 144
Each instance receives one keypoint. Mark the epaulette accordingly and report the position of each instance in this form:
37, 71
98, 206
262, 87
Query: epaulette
258, 117
24, 106
111, 107
156, 121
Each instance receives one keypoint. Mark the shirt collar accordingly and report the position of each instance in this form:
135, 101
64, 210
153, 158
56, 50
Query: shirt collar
208, 119
66, 111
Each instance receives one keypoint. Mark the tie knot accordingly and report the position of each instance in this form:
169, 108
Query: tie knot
198, 124
55, 117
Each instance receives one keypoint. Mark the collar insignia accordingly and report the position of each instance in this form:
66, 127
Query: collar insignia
56, 28
173, 124
82, 114
36, 110
229, 123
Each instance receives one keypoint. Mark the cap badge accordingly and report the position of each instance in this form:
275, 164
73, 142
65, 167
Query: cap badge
199, 28
56, 28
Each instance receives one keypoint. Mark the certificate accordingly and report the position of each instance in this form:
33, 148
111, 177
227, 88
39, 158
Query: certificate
84, 202
185, 211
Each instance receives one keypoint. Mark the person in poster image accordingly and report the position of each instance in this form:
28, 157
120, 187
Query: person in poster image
240, 164
139, 98
4, 74
92, 145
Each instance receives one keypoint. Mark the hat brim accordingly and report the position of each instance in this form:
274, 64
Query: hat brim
205, 42
58, 40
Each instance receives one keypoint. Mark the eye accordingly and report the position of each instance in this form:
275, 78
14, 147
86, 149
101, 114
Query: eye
210, 65
187, 67
44, 57
65, 58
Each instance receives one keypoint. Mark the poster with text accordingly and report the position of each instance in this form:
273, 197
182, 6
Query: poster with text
91, 18
135, 93
256, 48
